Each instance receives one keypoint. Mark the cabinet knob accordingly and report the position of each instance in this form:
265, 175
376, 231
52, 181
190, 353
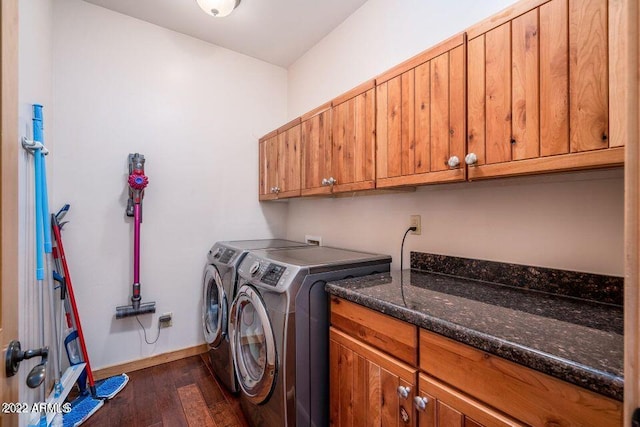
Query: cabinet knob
277, 189
325, 181
471, 159
332, 181
420, 403
403, 392
453, 162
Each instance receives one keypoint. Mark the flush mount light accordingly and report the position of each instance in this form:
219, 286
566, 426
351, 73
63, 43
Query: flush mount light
218, 8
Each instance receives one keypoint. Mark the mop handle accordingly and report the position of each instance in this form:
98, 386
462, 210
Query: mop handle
74, 307
37, 162
38, 136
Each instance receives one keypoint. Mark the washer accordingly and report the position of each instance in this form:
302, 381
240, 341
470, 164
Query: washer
219, 281
279, 327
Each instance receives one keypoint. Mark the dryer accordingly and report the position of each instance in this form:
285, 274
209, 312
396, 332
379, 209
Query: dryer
219, 281
279, 330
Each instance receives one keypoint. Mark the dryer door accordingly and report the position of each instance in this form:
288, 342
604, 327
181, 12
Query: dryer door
214, 307
253, 345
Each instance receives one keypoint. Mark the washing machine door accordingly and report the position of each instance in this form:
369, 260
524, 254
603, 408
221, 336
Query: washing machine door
214, 307
253, 345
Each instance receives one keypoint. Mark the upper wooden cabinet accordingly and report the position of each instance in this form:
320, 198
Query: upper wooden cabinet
338, 144
537, 85
536, 88
354, 139
421, 118
279, 167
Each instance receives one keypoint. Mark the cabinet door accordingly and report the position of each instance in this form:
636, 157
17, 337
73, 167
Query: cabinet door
288, 176
442, 406
368, 387
268, 167
537, 87
316, 151
421, 118
354, 140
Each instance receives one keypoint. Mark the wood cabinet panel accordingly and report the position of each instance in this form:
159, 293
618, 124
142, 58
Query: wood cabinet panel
382, 134
280, 162
316, 152
354, 142
498, 94
543, 66
476, 98
421, 117
440, 112
457, 102
422, 113
588, 59
268, 168
341, 135
408, 120
528, 395
366, 137
289, 162
364, 385
394, 127
554, 78
384, 332
447, 406
525, 143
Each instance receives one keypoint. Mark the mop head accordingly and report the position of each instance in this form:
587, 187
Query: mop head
81, 409
109, 387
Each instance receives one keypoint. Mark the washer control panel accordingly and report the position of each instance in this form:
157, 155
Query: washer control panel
273, 274
222, 255
266, 273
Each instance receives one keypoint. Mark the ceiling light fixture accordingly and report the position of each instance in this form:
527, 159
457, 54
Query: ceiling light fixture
218, 8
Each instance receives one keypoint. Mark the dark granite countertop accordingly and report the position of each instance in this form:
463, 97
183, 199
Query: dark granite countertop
576, 340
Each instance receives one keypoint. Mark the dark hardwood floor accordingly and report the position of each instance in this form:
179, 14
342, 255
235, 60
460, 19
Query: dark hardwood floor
180, 393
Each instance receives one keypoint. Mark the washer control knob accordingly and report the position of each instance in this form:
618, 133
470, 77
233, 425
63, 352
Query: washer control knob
217, 253
255, 268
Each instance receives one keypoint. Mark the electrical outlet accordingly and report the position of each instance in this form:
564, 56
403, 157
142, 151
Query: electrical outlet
166, 320
415, 221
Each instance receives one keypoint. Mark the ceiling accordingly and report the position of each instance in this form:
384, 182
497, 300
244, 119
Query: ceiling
275, 31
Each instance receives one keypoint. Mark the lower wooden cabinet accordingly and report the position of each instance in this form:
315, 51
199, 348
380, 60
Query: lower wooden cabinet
368, 387
452, 384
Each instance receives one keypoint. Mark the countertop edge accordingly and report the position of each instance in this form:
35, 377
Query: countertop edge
592, 379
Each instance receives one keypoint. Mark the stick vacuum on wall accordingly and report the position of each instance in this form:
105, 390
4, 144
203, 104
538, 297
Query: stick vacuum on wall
137, 183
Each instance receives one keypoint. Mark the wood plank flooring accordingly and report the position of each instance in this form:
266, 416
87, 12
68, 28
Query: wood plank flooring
174, 394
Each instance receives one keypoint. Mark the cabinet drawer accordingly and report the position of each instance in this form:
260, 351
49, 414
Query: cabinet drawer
444, 405
394, 336
521, 392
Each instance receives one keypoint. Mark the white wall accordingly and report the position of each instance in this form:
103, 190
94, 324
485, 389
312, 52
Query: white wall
34, 86
196, 112
570, 221
373, 39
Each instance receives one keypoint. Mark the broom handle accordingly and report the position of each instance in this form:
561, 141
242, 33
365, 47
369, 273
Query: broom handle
74, 307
